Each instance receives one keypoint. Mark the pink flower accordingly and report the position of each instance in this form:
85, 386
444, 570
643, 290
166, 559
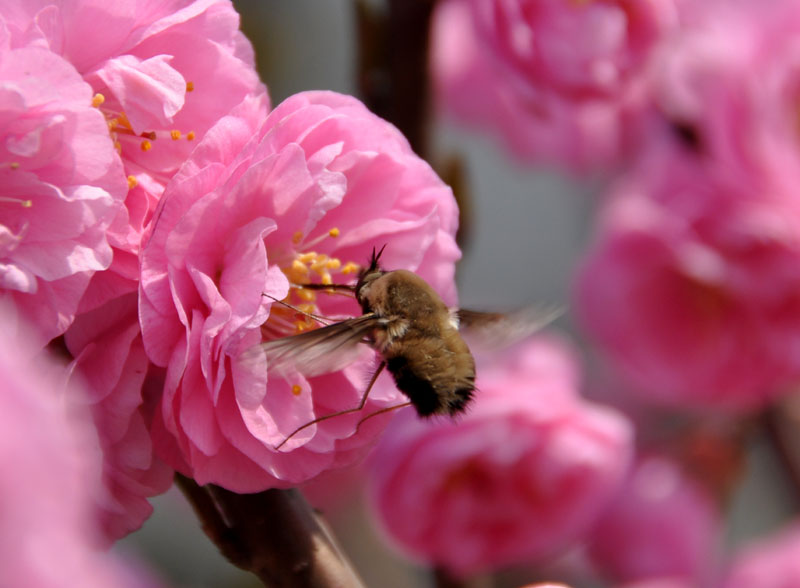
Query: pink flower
521, 477
771, 562
260, 207
562, 82
691, 286
48, 450
110, 358
729, 81
162, 74
61, 184
661, 525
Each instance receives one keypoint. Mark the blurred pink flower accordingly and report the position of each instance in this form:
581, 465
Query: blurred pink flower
61, 184
49, 536
692, 286
262, 205
521, 477
661, 525
562, 82
771, 562
729, 82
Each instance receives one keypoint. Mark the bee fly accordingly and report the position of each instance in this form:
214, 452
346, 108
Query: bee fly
415, 333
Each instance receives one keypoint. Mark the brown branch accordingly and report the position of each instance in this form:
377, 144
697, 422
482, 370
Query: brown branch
393, 65
274, 534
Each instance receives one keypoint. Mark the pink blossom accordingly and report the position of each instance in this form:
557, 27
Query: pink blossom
110, 358
562, 82
771, 562
62, 184
48, 452
521, 477
731, 81
661, 525
162, 74
691, 286
259, 207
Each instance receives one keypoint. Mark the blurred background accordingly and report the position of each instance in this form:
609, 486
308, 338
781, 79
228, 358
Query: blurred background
529, 227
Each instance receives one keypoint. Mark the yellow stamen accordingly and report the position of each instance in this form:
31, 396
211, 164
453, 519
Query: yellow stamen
296, 390
307, 257
190, 136
326, 279
14, 165
306, 294
351, 268
146, 145
98, 99
189, 86
333, 263
334, 232
22, 203
132, 182
297, 237
123, 121
175, 134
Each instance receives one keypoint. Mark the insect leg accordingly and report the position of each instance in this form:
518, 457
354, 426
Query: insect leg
381, 411
341, 412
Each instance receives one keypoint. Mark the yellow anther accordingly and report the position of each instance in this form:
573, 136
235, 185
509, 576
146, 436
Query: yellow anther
146, 145
296, 390
98, 99
112, 123
309, 308
333, 263
319, 263
189, 86
132, 182
123, 121
22, 203
334, 232
326, 279
190, 136
297, 237
307, 257
175, 134
350, 268
306, 294
14, 165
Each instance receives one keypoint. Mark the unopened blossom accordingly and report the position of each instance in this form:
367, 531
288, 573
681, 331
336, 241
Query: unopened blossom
50, 535
560, 82
61, 185
691, 287
662, 524
260, 208
770, 562
521, 477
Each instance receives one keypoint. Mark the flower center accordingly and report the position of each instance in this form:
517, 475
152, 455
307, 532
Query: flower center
306, 266
121, 130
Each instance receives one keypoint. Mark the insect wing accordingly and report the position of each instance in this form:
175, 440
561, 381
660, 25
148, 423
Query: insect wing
320, 351
490, 330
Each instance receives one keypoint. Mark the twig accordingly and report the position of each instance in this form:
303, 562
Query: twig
274, 534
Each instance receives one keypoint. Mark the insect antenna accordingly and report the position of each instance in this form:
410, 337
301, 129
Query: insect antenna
341, 412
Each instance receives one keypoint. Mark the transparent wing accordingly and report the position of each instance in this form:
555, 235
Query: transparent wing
322, 350
490, 330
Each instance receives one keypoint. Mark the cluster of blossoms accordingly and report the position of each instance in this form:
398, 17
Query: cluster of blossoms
154, 210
